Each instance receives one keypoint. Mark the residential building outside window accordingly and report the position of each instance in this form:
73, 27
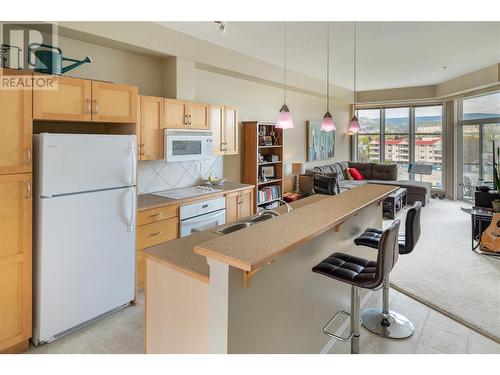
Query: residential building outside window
403, 135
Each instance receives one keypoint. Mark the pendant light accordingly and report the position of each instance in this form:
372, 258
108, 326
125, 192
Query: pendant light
284, 116
327, 125
354, 127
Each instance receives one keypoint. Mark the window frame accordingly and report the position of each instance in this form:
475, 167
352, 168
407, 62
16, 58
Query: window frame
411, 135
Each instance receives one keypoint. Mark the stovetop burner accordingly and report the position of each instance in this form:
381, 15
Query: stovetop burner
188, 192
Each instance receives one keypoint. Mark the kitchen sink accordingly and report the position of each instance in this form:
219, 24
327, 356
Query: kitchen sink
263, 217
234, 227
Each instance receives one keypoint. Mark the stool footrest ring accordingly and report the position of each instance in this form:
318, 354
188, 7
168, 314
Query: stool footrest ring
329, 334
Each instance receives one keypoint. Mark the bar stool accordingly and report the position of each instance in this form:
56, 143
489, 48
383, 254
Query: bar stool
360, 273
382, 321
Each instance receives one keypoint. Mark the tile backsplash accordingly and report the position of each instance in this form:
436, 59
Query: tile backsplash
159, 175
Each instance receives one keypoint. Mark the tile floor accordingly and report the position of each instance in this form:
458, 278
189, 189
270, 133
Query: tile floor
435, 333
123, 331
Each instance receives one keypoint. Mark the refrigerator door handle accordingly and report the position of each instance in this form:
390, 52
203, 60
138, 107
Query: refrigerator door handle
131, 224
134, 162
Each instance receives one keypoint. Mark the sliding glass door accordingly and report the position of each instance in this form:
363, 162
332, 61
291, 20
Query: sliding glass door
479, 122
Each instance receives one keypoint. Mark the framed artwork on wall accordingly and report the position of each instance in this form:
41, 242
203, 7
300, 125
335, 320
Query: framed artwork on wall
320, 144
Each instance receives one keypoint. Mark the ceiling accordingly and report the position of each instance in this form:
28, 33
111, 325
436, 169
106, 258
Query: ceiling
390, 54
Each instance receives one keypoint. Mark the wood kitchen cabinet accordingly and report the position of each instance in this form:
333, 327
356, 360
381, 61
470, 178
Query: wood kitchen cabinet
114, 102
16, 129
84, 100
180, 114
15, 262
239, 205
224, 125
154, 226
151, 124
72, 101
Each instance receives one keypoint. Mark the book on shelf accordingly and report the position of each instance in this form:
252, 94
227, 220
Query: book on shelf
268, 193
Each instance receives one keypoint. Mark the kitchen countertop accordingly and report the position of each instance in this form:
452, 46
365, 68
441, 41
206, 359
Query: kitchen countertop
179, 254
148, 201
253, 247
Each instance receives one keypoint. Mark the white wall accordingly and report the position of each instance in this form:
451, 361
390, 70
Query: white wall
258, 99
109, 64
261, 102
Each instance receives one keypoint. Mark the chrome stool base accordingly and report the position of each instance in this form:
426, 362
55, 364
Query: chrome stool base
392, 325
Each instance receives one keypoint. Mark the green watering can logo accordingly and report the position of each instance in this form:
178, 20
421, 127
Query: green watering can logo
49, 59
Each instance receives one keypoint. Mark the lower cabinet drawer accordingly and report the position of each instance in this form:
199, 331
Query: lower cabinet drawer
157, 214
157, 232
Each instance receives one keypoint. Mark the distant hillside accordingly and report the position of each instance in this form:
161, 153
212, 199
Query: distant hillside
421, 122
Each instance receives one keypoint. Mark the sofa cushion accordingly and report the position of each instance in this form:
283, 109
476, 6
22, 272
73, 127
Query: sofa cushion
364, 168
387, 172
326, 184
356, 174
330, 168
350, 184
412, 187
306, 184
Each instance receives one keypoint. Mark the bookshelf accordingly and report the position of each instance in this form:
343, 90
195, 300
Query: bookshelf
261, 138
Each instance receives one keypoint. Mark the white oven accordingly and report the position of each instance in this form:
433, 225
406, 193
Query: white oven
186, 145
200, 216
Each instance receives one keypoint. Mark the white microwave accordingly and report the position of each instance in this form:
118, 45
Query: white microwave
186, 145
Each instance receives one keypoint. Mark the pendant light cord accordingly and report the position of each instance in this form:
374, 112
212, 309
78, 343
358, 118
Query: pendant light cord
355, 64
328, 66
284, 63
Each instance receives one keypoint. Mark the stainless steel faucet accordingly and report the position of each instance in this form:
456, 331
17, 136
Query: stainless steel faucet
274, 212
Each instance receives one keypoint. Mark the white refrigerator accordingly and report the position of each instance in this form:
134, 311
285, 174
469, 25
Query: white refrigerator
84, 230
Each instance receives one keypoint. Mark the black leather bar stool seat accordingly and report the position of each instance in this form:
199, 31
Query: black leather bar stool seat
360, 273
406, 241
383, 321
349, 269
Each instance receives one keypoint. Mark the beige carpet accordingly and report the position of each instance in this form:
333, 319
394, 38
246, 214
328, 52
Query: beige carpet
443, 272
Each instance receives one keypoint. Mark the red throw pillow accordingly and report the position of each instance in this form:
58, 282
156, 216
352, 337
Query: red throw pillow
356, 174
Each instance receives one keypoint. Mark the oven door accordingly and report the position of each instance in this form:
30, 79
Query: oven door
187, 145
202, 222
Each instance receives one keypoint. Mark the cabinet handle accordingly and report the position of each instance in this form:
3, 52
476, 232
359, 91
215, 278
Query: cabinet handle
89, 106
155, 215
28, 156
142, 149
96, 106
154, 234
186, 122
28, 190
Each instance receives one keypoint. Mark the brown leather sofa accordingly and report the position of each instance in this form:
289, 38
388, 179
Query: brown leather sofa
375, 173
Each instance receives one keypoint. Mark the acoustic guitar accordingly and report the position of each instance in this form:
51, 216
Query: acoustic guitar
490, 240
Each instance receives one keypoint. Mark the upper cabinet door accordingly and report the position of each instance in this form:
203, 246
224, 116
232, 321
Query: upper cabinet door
198, 116
231, 130
71, 101
114, 103
15, 130
216, 124
176, 113
151, 120
15, 259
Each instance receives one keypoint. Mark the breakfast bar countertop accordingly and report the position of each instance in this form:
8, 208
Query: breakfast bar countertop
148, 201
179, 255
253, 247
